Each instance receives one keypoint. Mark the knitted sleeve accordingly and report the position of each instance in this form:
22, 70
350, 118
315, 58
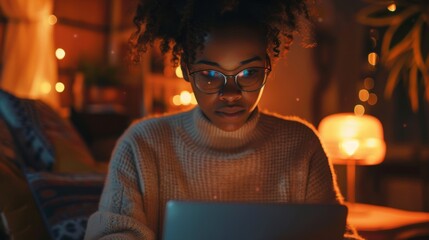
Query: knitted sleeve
120, 214
322, 185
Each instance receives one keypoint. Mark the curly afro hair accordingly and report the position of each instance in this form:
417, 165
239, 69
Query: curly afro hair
181, 25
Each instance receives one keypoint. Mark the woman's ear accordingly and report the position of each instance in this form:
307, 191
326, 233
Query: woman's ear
184, 71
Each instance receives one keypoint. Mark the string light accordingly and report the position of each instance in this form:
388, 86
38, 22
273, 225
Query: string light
372, 100
60, 53
363, 95
368, 83
52, 20
373, 58
391, 7
185, 98
176, 100
179, 72
60, 87
359, 110
45, 87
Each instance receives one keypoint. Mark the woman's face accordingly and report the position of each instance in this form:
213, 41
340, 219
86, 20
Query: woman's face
229, 51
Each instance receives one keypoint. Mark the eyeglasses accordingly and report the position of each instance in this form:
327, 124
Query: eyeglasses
247, 80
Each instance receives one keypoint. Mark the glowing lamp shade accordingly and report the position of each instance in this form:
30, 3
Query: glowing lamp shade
348, 137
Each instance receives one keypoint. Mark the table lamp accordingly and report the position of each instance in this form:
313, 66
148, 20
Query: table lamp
352, 140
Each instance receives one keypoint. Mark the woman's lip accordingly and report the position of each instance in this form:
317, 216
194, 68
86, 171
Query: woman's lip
231, 112
230, 109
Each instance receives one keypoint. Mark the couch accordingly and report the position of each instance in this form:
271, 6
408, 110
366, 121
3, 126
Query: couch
49, 181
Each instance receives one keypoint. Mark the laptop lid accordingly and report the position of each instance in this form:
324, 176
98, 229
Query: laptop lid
193, 220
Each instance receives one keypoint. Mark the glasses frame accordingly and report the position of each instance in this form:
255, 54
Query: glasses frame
267, 70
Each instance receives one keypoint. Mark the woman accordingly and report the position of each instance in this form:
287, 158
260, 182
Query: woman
225, 149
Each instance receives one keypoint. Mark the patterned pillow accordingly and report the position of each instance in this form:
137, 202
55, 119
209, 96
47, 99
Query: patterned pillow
66, 200
71, 152
23, 119
19, 212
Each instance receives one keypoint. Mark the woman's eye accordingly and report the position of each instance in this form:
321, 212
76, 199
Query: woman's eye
211, 73
247, 73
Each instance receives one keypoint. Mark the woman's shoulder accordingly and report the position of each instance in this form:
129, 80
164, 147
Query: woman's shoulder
288, 124
156, 124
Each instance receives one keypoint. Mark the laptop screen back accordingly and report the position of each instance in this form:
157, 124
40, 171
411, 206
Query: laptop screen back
190, 220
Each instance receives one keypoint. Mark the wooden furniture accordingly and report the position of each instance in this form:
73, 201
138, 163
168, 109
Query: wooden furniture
384, 223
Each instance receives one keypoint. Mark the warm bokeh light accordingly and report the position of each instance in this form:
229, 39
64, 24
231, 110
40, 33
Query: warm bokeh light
372, 100
60, 87
185, 98
391, 7
363, 95
52, 20
352, 140
350, 146
45, 87
359, 110
179, 73
193, 99
368, 83
60, 53
176, 100
347, 137
373, 58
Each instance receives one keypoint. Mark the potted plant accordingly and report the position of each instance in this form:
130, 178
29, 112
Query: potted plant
102, 83
405, 44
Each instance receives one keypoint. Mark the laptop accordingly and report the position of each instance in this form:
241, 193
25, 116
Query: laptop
193, 220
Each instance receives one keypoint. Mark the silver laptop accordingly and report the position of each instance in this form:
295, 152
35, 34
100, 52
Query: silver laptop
191, 220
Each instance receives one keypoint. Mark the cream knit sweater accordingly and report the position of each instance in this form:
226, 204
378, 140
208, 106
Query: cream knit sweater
184, 156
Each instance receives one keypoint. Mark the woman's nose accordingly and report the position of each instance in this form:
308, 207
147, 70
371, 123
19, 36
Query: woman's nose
230, 92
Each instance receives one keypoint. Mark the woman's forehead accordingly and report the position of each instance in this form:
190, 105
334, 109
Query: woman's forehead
231, 47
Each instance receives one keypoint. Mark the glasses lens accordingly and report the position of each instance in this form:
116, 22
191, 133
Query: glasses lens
209, 81
251, 79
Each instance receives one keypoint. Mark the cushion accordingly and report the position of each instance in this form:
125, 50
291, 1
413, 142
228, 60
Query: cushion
19, 211
66, 200
20, 116
71, 153
46, 141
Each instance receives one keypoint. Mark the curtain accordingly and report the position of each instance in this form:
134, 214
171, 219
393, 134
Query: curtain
29, 64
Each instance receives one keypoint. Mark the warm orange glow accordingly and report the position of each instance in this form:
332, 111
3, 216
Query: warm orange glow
368, 83
60, 53
176, 100
372, 99
359, 110
349, 147
60, 87
45, 87
193, 99
363, 95
373, 58
349, 137
391, 7
52, 20
179, 73
185, 98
